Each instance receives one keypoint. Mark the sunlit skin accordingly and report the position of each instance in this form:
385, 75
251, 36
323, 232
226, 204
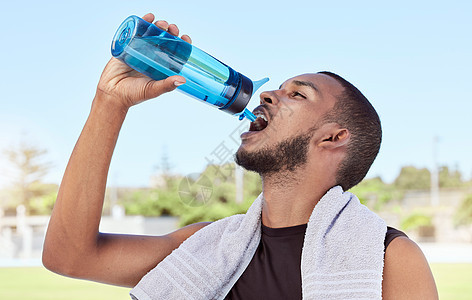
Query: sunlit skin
74, 246
289, 197
296, 107
293, 108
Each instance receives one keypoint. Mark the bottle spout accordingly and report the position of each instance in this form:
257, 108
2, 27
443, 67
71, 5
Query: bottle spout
257, 84
248, 114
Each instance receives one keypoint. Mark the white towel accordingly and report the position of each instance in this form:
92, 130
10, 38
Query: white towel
342, 256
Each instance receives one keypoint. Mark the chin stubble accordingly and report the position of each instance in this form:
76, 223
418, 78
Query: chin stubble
287, 155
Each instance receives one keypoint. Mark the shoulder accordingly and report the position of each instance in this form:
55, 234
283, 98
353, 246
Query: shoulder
179, 236
406, 272
188, 230
392, 233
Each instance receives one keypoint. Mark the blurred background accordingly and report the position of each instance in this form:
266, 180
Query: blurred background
173, 163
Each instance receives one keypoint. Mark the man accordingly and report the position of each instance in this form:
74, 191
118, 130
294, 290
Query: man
299, 158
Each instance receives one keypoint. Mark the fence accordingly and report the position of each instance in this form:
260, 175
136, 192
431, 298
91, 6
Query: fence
22, 237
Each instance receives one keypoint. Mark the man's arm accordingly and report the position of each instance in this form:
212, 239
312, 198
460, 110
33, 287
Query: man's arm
406, 272
73, 244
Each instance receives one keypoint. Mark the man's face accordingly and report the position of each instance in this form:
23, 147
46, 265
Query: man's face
287, 121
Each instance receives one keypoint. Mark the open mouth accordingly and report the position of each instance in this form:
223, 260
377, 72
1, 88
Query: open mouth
260, 123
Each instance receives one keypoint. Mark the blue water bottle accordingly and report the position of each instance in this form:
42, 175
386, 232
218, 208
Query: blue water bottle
158, 54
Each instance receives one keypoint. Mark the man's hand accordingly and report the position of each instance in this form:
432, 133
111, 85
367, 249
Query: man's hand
126, 87
73, 245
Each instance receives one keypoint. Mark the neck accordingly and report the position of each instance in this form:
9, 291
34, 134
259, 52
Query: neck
290, 197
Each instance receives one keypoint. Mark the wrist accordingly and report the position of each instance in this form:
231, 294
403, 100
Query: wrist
109, 104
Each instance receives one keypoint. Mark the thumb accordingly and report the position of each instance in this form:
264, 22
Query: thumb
157, 88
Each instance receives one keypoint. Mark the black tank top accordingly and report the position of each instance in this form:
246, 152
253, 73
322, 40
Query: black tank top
274, 271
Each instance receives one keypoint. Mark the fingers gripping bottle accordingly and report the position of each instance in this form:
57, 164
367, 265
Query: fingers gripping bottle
158, 55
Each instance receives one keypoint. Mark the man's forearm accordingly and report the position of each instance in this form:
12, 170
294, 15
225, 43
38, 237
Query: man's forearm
76, 216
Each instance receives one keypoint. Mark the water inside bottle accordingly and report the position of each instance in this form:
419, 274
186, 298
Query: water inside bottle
158, 54
159, 57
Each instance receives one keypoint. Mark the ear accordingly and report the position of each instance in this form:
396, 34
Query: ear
334, 137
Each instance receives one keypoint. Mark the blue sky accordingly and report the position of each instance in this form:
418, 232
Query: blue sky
412, 59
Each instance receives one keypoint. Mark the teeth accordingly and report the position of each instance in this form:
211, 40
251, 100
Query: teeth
262, 116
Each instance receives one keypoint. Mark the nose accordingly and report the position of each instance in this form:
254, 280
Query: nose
268, 97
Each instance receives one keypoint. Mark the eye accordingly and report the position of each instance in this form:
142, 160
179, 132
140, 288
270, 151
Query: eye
298, 94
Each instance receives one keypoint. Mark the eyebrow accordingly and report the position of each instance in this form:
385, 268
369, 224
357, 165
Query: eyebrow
304, 83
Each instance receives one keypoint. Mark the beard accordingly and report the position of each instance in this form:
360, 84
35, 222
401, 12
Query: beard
287, 155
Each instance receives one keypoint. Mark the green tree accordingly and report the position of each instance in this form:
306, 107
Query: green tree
464, 212
450, 179
208, 196
412, 178
416, 220
375, 193
27, 170
44, 203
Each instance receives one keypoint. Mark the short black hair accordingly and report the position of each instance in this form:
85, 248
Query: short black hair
353, 111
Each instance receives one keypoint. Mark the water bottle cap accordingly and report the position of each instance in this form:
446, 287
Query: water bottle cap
242, 98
